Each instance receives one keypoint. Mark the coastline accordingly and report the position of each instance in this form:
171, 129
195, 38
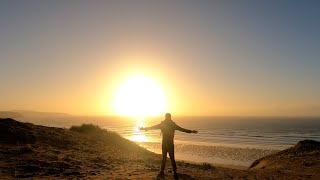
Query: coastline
38, 152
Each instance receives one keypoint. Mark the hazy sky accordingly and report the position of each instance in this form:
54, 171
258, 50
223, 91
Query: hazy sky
211, 57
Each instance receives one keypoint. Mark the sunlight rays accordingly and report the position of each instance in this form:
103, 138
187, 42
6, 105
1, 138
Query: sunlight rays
138, 97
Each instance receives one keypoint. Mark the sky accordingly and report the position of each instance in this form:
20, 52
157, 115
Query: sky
234, 57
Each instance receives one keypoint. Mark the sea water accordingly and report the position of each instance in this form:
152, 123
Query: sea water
236, 141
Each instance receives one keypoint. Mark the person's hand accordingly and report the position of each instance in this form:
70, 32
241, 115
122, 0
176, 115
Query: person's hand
141, 128
194, 131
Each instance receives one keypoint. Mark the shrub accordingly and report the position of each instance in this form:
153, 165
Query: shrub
87, 128
207, 166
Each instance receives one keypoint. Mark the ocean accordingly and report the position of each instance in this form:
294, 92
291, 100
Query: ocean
226, 141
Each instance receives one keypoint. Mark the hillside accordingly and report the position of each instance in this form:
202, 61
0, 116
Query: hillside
29, 150
303, 160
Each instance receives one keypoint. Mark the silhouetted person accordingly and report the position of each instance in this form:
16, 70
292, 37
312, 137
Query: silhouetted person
167, 129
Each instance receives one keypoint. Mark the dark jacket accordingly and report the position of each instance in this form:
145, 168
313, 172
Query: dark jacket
167, 130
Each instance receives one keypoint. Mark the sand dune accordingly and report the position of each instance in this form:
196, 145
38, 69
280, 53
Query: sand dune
37, 152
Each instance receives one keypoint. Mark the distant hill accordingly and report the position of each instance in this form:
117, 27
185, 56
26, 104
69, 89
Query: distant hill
29, 114
38, 113
10, 114
40, 118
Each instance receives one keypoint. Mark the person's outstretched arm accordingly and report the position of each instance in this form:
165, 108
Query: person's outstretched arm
150, 128
185, 130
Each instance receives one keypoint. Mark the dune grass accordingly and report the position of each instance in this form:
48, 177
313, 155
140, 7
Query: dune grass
87, 128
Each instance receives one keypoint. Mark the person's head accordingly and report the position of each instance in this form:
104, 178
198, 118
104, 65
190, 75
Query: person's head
168, 116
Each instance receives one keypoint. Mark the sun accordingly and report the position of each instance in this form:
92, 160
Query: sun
139, 96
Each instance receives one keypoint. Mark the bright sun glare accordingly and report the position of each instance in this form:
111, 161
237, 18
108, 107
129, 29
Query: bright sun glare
139, 97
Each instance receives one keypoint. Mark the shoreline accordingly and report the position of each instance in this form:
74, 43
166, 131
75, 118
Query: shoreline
225, 156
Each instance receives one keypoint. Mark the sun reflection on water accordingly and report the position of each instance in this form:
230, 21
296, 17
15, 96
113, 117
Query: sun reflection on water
138, 135
139, 138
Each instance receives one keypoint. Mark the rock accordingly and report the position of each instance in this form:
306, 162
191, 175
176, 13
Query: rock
307, 145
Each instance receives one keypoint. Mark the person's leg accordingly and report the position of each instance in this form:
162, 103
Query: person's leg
164, 158
171, 154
